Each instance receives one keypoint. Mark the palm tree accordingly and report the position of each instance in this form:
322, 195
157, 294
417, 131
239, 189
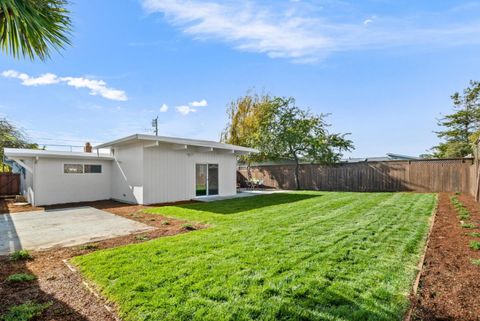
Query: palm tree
32, 28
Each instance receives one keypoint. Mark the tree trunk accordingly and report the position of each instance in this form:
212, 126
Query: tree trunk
297, 172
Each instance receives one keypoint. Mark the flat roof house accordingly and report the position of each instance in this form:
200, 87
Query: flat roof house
139, 169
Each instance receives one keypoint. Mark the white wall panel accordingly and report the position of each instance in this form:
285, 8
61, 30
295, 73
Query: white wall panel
169, 175
53, 186
127, 174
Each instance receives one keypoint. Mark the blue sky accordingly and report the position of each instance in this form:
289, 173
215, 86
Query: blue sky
384, 69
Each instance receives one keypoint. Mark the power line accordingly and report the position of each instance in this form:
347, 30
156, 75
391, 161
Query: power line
63, 140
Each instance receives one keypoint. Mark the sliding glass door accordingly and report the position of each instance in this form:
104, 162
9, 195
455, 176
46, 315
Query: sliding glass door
200, 179
212, 179
206, 179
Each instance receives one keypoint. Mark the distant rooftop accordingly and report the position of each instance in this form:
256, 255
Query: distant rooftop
388, 157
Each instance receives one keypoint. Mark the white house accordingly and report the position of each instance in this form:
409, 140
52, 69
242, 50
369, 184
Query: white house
139, 169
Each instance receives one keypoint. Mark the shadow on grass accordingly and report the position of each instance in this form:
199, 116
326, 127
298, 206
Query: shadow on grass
335, 305
238, 205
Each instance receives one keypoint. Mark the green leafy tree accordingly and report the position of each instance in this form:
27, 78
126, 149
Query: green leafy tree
31, 28
246, 116
13, 137
461, 126
295, 134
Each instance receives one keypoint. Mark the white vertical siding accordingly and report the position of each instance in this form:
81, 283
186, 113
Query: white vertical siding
169, 175
127, 174
139, 174
53, 186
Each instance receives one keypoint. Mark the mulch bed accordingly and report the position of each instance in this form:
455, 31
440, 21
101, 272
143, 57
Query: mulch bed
64, 289
8, 205
448, 289
449, 283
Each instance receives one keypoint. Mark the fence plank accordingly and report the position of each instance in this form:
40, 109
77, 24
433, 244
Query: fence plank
451, 175
9, 184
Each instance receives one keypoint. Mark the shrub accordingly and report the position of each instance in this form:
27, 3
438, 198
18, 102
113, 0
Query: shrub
20, 255
142, 238
188, 227
25, 312
475, 245
463, 212
474, 234
21, 277
468, 225
89, 247
165, 223
475, 261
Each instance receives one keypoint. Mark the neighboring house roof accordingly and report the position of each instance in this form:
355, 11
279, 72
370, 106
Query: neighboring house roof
22, 152
389, 157
400, 156
178, 141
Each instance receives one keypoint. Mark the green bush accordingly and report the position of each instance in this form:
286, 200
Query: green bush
25, 312
475, 245
463, 212
188, 227
89, 247
468, 225
475, 261
142, 238
165, 223
20, 255
21, 277
474, 234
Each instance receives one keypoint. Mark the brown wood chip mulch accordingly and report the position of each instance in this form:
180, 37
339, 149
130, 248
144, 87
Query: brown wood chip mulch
57, 284
449, 283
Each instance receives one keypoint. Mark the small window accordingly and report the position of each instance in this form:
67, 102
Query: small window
73, 168
97, 169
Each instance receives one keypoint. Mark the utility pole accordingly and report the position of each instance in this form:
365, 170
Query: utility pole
155, 125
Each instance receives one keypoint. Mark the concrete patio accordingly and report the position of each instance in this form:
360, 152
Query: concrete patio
241, 194
61, 227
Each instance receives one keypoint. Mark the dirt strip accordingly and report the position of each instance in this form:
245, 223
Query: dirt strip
449, 282
64, 289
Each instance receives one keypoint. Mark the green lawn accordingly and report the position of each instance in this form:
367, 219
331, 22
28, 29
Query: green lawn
292, 256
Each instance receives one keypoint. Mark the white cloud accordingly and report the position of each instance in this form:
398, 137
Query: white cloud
247, 27
185, 109
96, 87
366, 22
303, 36
191, 107
201, 103
45, 79
164, 108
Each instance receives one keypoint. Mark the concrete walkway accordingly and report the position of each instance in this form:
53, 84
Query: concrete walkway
241, 194
61, 227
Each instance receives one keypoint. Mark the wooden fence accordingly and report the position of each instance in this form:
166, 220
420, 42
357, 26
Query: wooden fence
9, 184
446, 175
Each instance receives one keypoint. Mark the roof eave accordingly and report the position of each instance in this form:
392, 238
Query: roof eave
227, 147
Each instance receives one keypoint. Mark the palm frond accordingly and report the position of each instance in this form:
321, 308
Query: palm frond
32, 28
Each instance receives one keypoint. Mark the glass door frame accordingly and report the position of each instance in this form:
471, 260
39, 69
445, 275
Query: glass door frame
207, 179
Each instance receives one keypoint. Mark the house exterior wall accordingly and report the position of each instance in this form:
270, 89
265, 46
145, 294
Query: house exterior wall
26, 182
127, 174
169, 175
52, 186
140, 173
